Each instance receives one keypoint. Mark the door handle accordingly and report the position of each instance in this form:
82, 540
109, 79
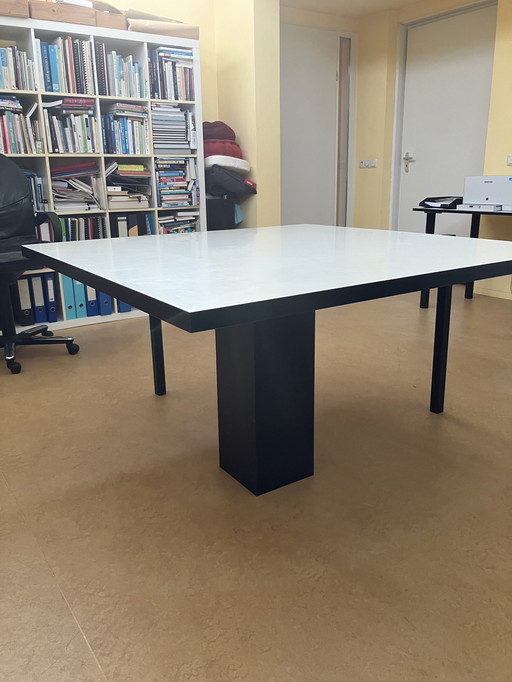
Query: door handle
408, 158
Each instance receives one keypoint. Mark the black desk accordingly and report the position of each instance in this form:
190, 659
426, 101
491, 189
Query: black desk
430, 228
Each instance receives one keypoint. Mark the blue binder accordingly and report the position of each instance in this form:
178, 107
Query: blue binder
50, 299
53, 52
69, 297
80, 302
92, 301
37, 296
123, 307
104, 303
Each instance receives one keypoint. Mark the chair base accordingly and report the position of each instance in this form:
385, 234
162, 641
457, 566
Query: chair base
35, 336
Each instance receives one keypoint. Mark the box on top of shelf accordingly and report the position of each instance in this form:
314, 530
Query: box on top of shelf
111, 20
55, 11
14, 8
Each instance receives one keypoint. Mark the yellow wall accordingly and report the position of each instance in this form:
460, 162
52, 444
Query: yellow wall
499, 138
247, 48
376, 74
333, 22
239, 41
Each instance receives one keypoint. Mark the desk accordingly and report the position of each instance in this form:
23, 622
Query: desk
430, 228
259, 289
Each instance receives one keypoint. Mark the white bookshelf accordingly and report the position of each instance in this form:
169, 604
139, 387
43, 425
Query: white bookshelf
26, 33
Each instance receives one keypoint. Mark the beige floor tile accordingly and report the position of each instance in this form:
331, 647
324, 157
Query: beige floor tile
39, 638
392, 563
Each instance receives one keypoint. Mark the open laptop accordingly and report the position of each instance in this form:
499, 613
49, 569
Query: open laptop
487, 193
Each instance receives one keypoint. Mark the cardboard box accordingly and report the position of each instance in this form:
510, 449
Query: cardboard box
72, 14
110, 20
14, 8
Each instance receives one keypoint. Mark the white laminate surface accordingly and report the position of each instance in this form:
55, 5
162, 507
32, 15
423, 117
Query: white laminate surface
209, 270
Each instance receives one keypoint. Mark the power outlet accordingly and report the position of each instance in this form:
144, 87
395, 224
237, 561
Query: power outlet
368, 163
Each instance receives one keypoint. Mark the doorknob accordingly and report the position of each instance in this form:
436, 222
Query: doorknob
408, 158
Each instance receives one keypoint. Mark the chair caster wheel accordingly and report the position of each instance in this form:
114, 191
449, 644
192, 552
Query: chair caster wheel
72, 348
14, 366
47, 333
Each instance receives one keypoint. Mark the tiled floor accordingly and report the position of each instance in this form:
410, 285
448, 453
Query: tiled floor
127, 555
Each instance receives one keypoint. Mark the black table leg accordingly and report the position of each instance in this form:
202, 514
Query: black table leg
157, 352
265, 391
444, 300
475, 230
430, 228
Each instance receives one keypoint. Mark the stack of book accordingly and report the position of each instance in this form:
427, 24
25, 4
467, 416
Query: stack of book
125, 129
17, 70
122, 200
70, 125
133, 178
66, 65
35, 182
171, 75
173, 129
176, 182
119, 76
19, 133
181, 221
75, 188
84, 227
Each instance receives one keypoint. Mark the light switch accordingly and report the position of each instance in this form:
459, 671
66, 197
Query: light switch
368, 163
509, 160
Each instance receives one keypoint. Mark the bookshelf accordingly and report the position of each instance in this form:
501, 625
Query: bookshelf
107, 125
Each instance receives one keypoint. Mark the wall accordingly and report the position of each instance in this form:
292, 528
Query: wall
239, 41
334, 22
499, 139
376, 74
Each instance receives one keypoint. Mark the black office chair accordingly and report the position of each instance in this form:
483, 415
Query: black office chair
17, 226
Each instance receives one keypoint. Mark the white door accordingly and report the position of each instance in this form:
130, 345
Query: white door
309, 124
446, 105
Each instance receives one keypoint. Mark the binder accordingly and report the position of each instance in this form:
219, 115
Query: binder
38, 306
123, 307
22, 305
91, 301
104, 303
80, 301
69, 297
50, 300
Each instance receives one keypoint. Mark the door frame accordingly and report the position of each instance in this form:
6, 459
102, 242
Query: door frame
403, 32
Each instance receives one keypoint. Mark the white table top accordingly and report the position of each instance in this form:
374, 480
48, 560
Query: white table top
207, 271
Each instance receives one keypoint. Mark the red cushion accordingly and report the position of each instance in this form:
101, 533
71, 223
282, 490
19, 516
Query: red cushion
222, 147
218, 130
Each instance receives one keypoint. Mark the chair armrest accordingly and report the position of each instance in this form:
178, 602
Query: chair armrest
54, 221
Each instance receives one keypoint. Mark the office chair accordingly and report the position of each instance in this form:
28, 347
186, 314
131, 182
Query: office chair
17, 226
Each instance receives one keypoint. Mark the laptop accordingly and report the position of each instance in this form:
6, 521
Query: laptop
487, 193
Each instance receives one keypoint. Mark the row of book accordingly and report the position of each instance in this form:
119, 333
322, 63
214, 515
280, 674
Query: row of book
170, 73
19, 132
125, 129
84, 228
176, 182
118, 75
39, 298
17, 70
70, 126
65, 65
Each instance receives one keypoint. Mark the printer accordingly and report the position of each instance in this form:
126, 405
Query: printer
491, 193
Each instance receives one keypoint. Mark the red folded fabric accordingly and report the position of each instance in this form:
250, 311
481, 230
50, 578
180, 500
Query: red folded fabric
217, 130
222, 148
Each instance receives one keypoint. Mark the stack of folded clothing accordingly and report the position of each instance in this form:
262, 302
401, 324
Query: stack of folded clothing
224, 163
